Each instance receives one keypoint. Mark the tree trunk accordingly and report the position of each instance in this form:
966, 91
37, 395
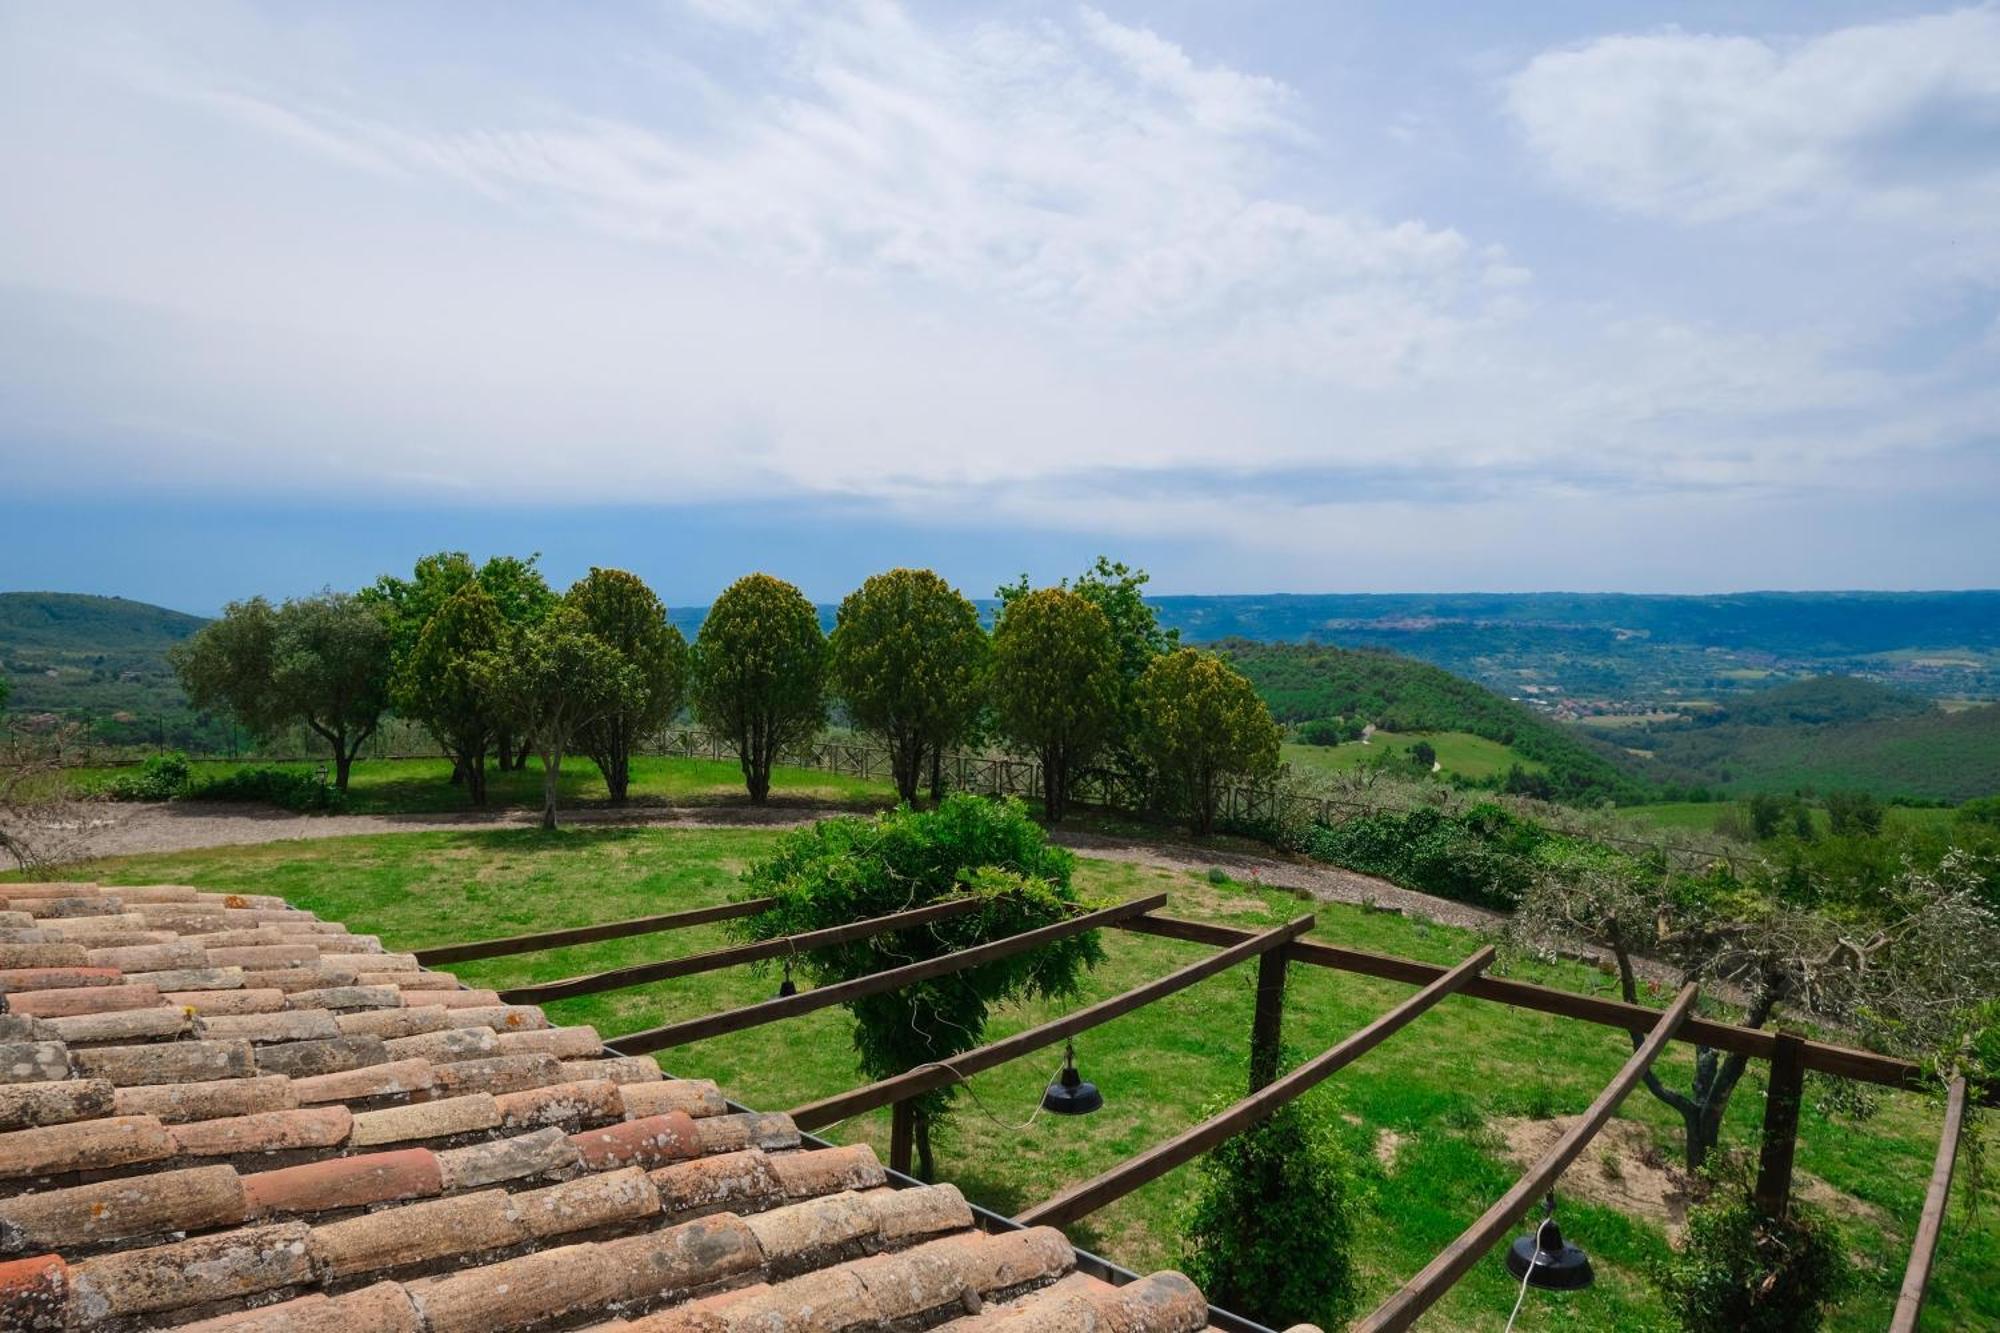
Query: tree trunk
906, 762
1052, 785
343, 765
937, 774
618, 772
475, 777
551, 783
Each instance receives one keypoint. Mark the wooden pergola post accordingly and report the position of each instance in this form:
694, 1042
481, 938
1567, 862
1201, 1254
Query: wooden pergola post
1773, 1192
1268, 1024
902, 1135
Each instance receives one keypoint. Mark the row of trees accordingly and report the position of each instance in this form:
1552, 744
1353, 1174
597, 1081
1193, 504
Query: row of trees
497, 666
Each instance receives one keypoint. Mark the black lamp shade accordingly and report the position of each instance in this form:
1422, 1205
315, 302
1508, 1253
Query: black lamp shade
1069, 1094
1548, 1261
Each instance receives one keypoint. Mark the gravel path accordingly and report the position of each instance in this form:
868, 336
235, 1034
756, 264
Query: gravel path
124, 830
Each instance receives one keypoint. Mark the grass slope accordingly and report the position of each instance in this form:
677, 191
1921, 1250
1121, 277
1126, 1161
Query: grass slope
1459, 753
1304, 681
1439, 1083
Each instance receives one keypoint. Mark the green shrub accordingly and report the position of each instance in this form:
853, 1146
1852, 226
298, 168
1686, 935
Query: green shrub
286, 788
1269, 1232
160, 778
1322, 731
1738, 1271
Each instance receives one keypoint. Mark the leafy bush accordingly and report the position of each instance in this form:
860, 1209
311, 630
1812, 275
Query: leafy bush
844, 870
160, 778
286, 788
1323, 731
1484, 856
1269, 1232
1738, 1271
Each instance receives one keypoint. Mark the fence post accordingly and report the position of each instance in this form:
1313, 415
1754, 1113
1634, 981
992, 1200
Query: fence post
1781, 1125
902, 1135
1267, 1024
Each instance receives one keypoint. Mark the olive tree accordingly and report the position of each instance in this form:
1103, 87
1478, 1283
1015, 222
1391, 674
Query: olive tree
759, 673
842, 870
550, 681
441, 687
1201, 722
908, 658
321, 662
1903, 973
1055, 685
625, 615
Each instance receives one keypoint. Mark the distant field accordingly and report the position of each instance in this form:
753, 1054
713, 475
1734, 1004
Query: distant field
1439, 1087
1703, 816
414, 786
1458, 752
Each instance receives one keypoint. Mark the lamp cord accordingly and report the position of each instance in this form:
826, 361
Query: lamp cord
1533, 1259
966, 1083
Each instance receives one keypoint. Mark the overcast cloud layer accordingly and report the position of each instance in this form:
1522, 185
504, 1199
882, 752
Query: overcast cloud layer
1272, 297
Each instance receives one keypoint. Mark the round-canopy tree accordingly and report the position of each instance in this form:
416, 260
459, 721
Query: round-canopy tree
843, 870
1055, 684
440, 687
321, 662
759, 670
908, 657
623, 612
1201, 722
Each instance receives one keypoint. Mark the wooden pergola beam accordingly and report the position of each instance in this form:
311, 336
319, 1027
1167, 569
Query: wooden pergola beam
640, 974
1086, 1198
901, 1087
1917, 1276
805, 1002
1819, 1056
1420, 1292
607, 930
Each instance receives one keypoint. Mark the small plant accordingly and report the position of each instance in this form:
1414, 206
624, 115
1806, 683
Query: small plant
1542, 1101
1609, 1166
1217, 875
161, 778
1269, 1231
1738, 1271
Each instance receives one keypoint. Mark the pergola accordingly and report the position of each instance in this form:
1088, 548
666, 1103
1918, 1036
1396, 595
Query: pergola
1789, 1056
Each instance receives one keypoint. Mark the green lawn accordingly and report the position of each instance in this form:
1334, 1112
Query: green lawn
1440, 1082
1459, 752
413, 786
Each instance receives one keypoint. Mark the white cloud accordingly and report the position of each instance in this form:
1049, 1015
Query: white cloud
1898, 118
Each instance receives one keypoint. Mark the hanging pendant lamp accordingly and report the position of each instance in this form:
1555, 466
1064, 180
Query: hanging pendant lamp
1069, 1094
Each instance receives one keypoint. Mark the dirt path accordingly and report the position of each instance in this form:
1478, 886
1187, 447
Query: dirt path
136, 829
125, 830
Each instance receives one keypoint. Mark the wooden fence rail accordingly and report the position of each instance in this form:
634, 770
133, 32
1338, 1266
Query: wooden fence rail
831, 1110
609, 930
1420, 1292
1917, 1276
640, 974
1086, 1198
790, 1006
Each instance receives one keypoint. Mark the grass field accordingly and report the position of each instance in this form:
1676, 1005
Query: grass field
423, 786
1707, 816
1458, 752
1441, 1083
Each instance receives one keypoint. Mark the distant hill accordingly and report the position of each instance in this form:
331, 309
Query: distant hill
1827, 733
1305, 681
101, 660
74, 622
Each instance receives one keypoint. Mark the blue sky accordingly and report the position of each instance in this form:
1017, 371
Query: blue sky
1266, 297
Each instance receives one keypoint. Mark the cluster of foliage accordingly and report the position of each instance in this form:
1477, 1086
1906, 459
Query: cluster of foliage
163, 777
1201, 722
170, 777
1313, 682
1331, 730
1739, 1270
843, 870
909, 660
1270, 1231
760, 673
1485, 854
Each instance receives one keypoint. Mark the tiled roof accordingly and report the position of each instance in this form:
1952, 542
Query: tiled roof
220, 1112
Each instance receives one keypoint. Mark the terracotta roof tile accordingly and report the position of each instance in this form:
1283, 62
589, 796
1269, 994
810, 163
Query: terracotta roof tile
215, 1105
